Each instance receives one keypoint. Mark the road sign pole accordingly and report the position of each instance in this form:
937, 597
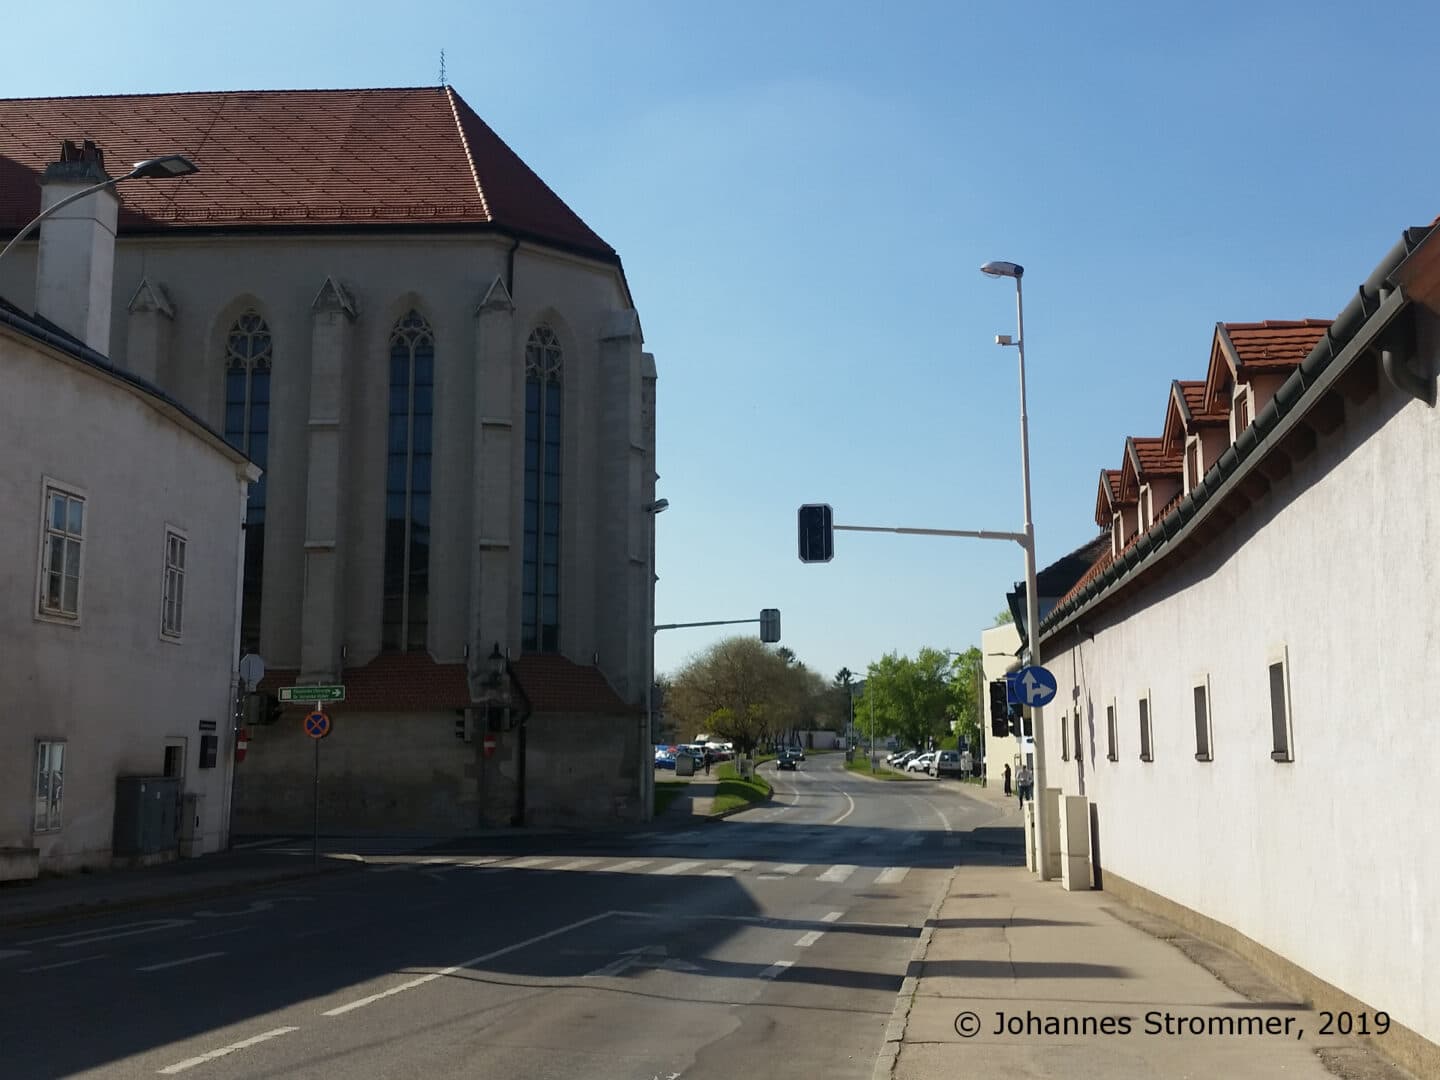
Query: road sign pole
315, 835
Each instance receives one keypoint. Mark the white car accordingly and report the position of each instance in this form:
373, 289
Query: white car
920, 763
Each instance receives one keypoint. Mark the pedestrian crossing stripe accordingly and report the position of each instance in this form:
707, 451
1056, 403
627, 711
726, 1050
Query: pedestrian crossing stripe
836, 874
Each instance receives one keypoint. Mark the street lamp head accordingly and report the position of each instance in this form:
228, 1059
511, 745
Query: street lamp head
167, 167
1004, 339
657, 506
998, 268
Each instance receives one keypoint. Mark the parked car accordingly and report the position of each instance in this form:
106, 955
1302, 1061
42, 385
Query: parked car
947, 763
664, 759
901, 758
787, 760
919, 763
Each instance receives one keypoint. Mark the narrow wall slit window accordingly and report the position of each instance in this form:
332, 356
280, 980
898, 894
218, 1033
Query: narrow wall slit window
1065, 738
248, 354
540, 596
1111, 733
1202, 721
406, 607
1145, 751
1280, 711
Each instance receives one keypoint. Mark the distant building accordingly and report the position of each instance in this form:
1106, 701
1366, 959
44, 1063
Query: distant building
119, 617
1246, 671
440, 367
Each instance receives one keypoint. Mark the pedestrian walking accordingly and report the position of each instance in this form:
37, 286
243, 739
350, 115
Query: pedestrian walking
1007, 778
709, 757
1024, 781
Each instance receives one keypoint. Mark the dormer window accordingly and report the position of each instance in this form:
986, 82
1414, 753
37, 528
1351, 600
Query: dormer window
1117, 535
1241, 411
1147, 508
1193, 473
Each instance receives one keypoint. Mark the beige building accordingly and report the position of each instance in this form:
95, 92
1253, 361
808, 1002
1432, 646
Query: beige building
1242, 729
119, 616
440, 368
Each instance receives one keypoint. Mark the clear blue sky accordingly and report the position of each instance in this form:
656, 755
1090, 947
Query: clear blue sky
801, 193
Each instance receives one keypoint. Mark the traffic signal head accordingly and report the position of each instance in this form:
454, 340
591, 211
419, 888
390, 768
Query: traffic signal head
999, 709
273, 708
770, 625
817, 532
1016, 718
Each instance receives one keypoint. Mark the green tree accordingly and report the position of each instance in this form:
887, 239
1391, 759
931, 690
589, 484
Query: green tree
1004, 617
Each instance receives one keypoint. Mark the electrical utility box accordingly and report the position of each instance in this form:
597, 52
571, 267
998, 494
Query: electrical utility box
147, 815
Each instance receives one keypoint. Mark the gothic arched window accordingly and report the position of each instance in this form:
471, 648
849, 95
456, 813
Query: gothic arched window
540, 617
407, 484
247, 428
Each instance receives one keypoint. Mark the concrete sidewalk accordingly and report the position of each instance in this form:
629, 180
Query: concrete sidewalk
1090, 988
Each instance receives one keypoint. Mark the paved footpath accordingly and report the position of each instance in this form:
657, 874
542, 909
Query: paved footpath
1017, 978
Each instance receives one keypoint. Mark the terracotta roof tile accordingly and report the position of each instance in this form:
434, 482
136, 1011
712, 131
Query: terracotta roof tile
555, 684
1275, 345
1153, 459
288, 158
394, 682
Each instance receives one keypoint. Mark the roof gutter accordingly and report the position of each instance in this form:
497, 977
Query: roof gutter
1356, 330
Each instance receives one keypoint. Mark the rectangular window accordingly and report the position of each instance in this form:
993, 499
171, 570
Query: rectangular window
172, 612
1065, 738
1193, 462
1111, 734
64, 534
1202, 721
1147, 508
1079, 753
1145, 754
1280, 709
49, 783
1242, 411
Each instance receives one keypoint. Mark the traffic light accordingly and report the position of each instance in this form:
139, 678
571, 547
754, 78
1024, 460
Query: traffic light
1027, 724
770, 625
1018, 720
273, 708
999, 709
817, 532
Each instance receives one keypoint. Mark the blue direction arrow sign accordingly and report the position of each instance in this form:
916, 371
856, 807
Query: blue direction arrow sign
1030, 686
317, 725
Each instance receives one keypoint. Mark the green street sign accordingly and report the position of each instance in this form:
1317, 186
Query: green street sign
312, 693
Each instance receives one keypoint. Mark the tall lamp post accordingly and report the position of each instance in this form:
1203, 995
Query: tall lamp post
167, 167
647, 754
1032, 599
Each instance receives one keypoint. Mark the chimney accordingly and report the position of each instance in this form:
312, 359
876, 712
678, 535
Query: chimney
77, 247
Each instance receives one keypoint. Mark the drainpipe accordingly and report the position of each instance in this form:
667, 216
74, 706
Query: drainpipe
1397, 349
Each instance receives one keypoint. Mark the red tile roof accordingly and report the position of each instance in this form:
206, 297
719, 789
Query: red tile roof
414, 682
394, 682
555, 684
1107, 556
293, 158
1154, 461
1276, 344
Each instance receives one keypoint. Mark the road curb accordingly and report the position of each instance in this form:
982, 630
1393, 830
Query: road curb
87, 910
900, 1016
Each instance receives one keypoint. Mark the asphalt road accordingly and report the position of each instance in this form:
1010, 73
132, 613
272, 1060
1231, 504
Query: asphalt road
770, 944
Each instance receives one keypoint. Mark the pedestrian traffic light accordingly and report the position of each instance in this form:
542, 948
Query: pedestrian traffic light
817, 532
999, 709
770, 625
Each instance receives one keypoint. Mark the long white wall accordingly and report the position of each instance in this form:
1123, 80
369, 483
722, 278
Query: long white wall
1329, 860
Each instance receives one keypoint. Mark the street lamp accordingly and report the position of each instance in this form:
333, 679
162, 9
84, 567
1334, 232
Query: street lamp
167, 167
1032, 600
647, 754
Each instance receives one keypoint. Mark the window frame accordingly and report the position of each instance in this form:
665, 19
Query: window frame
57, 805
42, 611
1279, 656
1065, 737
167, 633
1240, 409
1202, 683
1147, 732
413, 335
